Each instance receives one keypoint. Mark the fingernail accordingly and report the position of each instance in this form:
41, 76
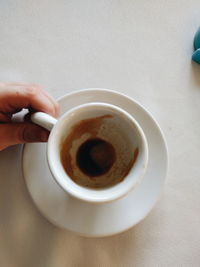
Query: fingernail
44, 135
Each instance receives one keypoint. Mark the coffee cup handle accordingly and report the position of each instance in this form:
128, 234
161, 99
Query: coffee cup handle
44, 120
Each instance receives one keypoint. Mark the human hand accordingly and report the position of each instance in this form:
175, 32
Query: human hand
13, 98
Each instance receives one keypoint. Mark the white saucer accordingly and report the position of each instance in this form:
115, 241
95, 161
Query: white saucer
97, 220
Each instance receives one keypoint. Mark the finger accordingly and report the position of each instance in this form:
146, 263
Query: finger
16, 83
5, 117
53, 101
19, 133
13, 97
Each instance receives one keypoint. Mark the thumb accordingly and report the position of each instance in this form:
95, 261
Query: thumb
19, 133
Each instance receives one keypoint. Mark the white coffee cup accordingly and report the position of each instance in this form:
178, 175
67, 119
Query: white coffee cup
126, 126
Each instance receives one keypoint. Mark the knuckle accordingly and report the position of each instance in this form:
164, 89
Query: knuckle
27, 133
24, 133
35, 85
21, 133
32, 90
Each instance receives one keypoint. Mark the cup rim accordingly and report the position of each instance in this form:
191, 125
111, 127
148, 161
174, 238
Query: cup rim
61, 181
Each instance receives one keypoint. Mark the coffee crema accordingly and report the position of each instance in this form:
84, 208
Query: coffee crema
96, 153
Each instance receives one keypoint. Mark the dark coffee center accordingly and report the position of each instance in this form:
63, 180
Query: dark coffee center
95, 157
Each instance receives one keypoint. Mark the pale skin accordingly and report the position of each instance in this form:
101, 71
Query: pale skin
13, 98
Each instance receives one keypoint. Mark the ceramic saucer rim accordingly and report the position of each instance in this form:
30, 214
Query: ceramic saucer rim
100, 90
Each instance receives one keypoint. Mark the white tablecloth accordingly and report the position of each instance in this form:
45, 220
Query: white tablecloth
143, 49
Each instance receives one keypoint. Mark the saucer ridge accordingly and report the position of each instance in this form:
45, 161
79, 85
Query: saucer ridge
88, 219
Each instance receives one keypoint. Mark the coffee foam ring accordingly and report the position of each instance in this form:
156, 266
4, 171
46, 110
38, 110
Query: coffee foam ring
111, 131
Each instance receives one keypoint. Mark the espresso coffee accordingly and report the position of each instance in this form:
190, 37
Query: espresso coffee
97, 153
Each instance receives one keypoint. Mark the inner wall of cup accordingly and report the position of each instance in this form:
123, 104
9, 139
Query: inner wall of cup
117, 130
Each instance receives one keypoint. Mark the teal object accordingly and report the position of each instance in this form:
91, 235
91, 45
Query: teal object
196, 54
197, 40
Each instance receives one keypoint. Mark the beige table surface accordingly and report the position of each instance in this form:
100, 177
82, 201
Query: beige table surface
143, 49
